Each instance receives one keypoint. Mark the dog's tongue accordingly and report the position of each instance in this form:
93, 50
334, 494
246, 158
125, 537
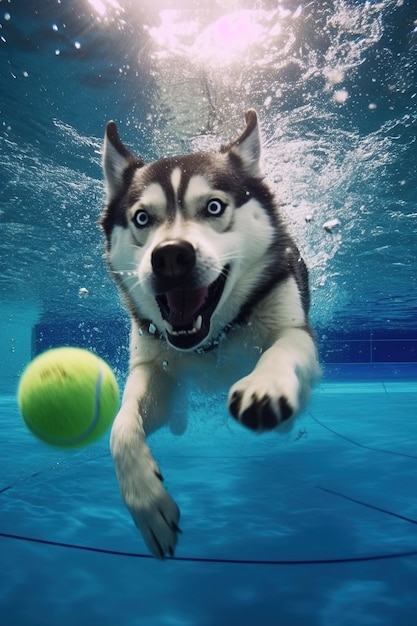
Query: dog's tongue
184, 305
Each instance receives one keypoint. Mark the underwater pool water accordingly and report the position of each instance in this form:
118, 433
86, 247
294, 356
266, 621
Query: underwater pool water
316, 527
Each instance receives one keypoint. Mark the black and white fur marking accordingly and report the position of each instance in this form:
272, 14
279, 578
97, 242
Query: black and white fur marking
206, 267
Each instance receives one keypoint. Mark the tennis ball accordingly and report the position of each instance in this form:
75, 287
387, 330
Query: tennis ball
68, 397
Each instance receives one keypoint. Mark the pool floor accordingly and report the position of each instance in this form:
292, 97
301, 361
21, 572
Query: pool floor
314, 527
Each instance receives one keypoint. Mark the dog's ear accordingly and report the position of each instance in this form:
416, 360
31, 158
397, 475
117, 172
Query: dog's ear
117, 160
248, 146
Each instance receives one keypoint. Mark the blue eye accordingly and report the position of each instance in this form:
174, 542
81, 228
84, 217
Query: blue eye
215, 207
141, 219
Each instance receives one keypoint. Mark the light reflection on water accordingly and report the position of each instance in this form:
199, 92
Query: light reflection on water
334, 84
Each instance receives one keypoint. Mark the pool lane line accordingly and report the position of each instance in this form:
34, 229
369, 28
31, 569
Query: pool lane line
190, 559
368, 505
357, 443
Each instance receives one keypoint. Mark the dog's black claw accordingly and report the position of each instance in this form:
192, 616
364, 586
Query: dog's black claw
269, 420
260, 415
285, 408
249, 418
235, 402
159, 475
161, 554
175, 527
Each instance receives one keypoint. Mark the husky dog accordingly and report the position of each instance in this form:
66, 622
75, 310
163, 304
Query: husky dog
217, 293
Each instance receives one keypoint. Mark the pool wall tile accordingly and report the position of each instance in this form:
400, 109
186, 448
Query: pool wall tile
110, 339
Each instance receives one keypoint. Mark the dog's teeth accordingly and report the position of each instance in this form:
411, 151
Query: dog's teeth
196, 327
169, 328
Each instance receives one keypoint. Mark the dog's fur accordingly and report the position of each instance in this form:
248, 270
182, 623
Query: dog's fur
217, 291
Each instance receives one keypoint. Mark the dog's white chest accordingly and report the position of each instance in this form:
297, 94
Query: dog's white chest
216, 370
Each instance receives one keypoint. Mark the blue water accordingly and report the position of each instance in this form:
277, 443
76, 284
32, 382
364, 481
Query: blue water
314, 527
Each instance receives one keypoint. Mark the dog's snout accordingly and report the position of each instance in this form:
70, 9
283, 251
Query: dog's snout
173, 258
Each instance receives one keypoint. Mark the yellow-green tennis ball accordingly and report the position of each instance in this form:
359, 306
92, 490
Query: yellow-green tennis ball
68, 397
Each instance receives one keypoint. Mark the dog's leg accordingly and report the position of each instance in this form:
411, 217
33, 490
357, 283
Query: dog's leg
279, 386
143, 411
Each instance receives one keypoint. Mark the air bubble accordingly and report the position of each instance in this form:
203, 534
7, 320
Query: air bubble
331, 225
335, 76
340, 96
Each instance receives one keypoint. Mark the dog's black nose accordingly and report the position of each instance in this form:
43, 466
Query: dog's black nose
173, 258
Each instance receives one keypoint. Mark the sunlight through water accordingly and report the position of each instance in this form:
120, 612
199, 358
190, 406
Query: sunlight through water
334, 86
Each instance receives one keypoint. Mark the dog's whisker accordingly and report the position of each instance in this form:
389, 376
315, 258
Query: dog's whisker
231, 255
129, 274
220, 268
132, 287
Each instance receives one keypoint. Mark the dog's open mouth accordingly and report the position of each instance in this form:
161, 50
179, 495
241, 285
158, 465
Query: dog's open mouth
187, 312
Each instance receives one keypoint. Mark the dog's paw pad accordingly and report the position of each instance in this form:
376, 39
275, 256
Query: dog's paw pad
285, 409
259, 415
158, 522
235, 403
153, 510
260, 412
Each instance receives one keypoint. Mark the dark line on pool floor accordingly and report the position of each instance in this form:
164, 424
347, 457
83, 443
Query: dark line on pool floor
190, 559
368, 505
357, 443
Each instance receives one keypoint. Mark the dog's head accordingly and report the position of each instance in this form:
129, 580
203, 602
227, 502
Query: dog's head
187, 236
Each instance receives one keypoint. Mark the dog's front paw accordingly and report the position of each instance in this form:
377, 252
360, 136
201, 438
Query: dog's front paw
157, 516
152, 508
264, 401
